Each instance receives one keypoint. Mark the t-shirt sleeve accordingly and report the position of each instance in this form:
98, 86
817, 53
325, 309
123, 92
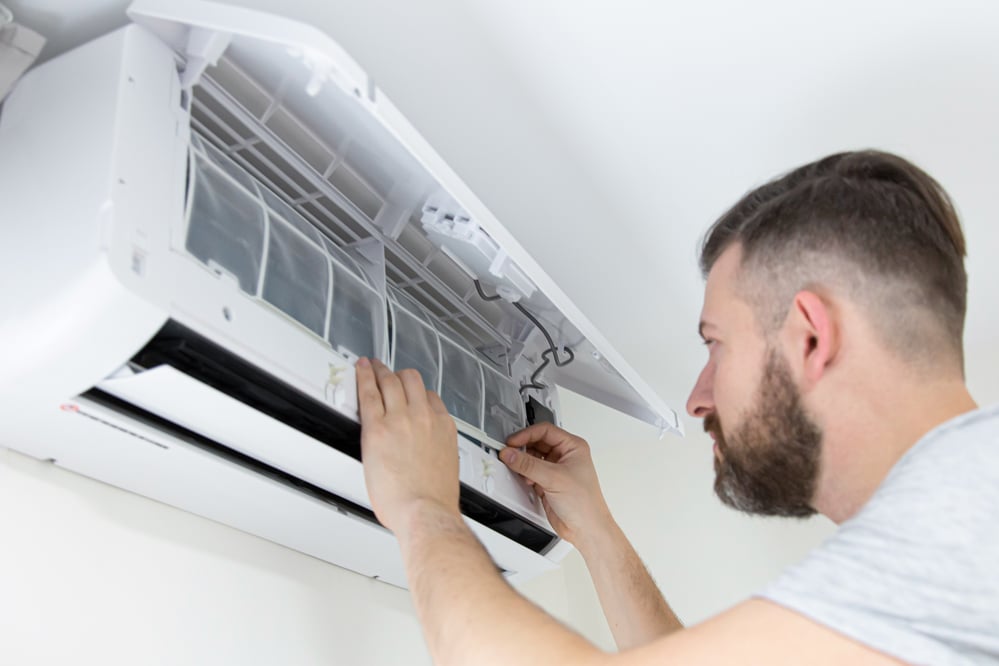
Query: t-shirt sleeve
915, 574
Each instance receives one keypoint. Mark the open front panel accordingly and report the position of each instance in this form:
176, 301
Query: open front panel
293, 110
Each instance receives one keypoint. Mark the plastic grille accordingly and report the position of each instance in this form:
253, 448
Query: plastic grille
250, 125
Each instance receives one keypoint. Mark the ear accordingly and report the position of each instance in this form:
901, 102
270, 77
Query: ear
813, 333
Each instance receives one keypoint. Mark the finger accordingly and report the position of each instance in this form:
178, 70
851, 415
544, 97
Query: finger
531, 468
436, 404
551, 455
369, 398
541, 435
539, 455
412, 386
542, 448
393, 395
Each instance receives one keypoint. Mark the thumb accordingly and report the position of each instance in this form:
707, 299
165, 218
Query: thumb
534, 469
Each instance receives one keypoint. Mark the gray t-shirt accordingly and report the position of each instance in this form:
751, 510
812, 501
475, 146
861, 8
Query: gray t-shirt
915, 574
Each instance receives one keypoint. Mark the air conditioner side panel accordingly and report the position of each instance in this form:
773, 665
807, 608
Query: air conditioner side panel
69, 317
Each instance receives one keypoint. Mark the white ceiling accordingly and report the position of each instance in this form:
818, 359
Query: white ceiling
608, 136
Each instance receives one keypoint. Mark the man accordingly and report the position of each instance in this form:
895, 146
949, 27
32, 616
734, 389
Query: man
833, 315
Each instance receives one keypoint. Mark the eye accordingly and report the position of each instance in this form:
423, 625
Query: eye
708, 342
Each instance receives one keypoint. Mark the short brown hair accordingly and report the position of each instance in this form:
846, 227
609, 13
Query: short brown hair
868, 223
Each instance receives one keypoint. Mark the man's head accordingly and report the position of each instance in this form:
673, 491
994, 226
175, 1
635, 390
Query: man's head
865, 234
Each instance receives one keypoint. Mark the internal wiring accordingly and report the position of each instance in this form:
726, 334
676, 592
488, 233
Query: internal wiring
549, 355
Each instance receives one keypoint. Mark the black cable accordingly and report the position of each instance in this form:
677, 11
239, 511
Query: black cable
482, 294
547, 356
534, 384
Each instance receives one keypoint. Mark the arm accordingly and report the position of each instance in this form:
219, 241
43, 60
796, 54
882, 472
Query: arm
632, 603
468, 612
561, 469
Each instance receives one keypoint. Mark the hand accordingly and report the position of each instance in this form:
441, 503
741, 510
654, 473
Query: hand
559, 466
408, 444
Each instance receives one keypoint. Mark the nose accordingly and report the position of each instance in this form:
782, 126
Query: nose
701, 401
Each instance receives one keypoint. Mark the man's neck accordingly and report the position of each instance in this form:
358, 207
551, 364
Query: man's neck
863, 441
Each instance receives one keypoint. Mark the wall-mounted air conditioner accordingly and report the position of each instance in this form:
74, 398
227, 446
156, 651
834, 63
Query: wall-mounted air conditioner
209, 215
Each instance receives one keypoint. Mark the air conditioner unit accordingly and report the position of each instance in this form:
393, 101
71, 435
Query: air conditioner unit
209, 215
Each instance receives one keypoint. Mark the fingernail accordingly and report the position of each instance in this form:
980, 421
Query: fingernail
509, 456
363, 362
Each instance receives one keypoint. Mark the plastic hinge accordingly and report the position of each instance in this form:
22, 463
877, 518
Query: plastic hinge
477, 253
204, 48
323, 70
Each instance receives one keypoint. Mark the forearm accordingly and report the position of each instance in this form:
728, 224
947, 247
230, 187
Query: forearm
633, 605
453, 581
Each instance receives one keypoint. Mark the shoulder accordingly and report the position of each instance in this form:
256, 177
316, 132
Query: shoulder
968, 443
914, 570
938, 505
948, 482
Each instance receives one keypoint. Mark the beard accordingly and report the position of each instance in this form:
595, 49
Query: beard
769, 464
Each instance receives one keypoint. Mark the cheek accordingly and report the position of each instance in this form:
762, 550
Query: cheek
735, 390
725, 398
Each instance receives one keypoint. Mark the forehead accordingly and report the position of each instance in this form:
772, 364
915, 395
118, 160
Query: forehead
727, 314
721, 300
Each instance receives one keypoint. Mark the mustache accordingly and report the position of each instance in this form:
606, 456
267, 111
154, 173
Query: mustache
710, 422
713, 425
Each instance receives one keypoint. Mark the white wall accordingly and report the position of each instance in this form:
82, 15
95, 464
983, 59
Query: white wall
92, 574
